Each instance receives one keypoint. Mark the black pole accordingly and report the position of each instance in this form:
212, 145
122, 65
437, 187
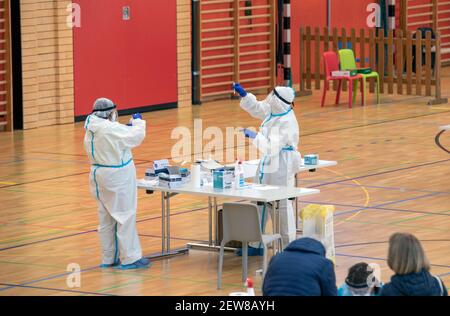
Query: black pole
195, 52
16, 58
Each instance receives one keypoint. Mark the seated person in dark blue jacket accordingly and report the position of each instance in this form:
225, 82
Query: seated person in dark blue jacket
412, 269
301, 270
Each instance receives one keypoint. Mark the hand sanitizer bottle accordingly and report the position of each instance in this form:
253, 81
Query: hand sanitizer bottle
239, 175
250, 289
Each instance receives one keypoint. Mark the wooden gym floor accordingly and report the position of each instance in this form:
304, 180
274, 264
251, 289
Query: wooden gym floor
391, 177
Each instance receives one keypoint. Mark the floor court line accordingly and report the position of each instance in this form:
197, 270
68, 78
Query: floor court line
389, 203
379, 187
383, 259
381, 173
375, 207
385, 242
54, 289
49, 278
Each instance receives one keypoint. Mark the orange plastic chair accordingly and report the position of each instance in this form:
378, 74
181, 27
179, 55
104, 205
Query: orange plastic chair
332, 64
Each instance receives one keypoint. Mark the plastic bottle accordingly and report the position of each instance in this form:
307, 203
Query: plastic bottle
239, 175
250, 289
196, 175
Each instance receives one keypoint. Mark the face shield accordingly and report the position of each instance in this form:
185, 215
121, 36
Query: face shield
278, 104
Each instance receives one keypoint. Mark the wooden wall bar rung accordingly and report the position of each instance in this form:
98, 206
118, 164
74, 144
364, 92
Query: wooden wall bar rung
420, 6
257, 61
420, 14
420, 23
217, 20
249, 26
212, 94
218, 57
218, 84
205, 49
205, 3
255, 52
255, 7
216, 11
255, 16
255, 34
221, 38
255, 79
218, 29
254, 44
259, 88
217, 66
222, 74
249, 71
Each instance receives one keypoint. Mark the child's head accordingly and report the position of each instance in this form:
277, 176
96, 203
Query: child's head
360, 279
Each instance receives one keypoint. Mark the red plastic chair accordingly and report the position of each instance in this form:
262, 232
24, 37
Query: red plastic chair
332, 64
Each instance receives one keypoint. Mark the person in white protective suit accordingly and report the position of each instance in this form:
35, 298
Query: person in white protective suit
113, 183
277, 141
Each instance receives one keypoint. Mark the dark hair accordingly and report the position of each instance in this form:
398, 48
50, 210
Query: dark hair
358, 275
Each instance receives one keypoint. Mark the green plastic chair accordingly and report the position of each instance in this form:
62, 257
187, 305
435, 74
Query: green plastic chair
347, 60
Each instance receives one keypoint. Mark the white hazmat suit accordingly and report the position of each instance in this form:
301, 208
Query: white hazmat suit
277, 141
113, 184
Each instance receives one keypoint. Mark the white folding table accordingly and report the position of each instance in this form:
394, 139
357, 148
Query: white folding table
445, 128
262, 194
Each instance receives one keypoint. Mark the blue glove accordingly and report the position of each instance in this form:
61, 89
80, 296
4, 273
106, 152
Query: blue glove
237, 87
249, 133
137, 116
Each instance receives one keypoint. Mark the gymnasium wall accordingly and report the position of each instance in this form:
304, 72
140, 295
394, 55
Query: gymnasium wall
47, 63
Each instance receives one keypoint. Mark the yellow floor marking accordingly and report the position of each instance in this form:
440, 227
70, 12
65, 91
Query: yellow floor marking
366, 203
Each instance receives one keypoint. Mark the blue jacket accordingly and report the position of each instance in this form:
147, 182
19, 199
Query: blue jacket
301, 270
413, 284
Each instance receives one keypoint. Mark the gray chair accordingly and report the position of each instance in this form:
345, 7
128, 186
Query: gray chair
241, 222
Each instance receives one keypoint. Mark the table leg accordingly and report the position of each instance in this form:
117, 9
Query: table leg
168, 222
210, 220
163, 222
166, 251
216, 223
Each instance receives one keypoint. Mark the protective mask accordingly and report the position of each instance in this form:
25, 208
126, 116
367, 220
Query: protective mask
276, 105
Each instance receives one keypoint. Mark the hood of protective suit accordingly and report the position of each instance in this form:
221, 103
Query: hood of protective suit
283, 102
94, 123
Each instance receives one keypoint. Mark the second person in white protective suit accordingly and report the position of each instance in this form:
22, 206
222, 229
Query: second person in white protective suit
113, 183
277, 141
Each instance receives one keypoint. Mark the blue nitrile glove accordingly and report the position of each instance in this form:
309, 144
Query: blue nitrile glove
237, 87
249, 133
137, 116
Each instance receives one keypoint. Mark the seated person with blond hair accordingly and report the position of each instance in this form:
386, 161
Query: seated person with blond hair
412, 269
